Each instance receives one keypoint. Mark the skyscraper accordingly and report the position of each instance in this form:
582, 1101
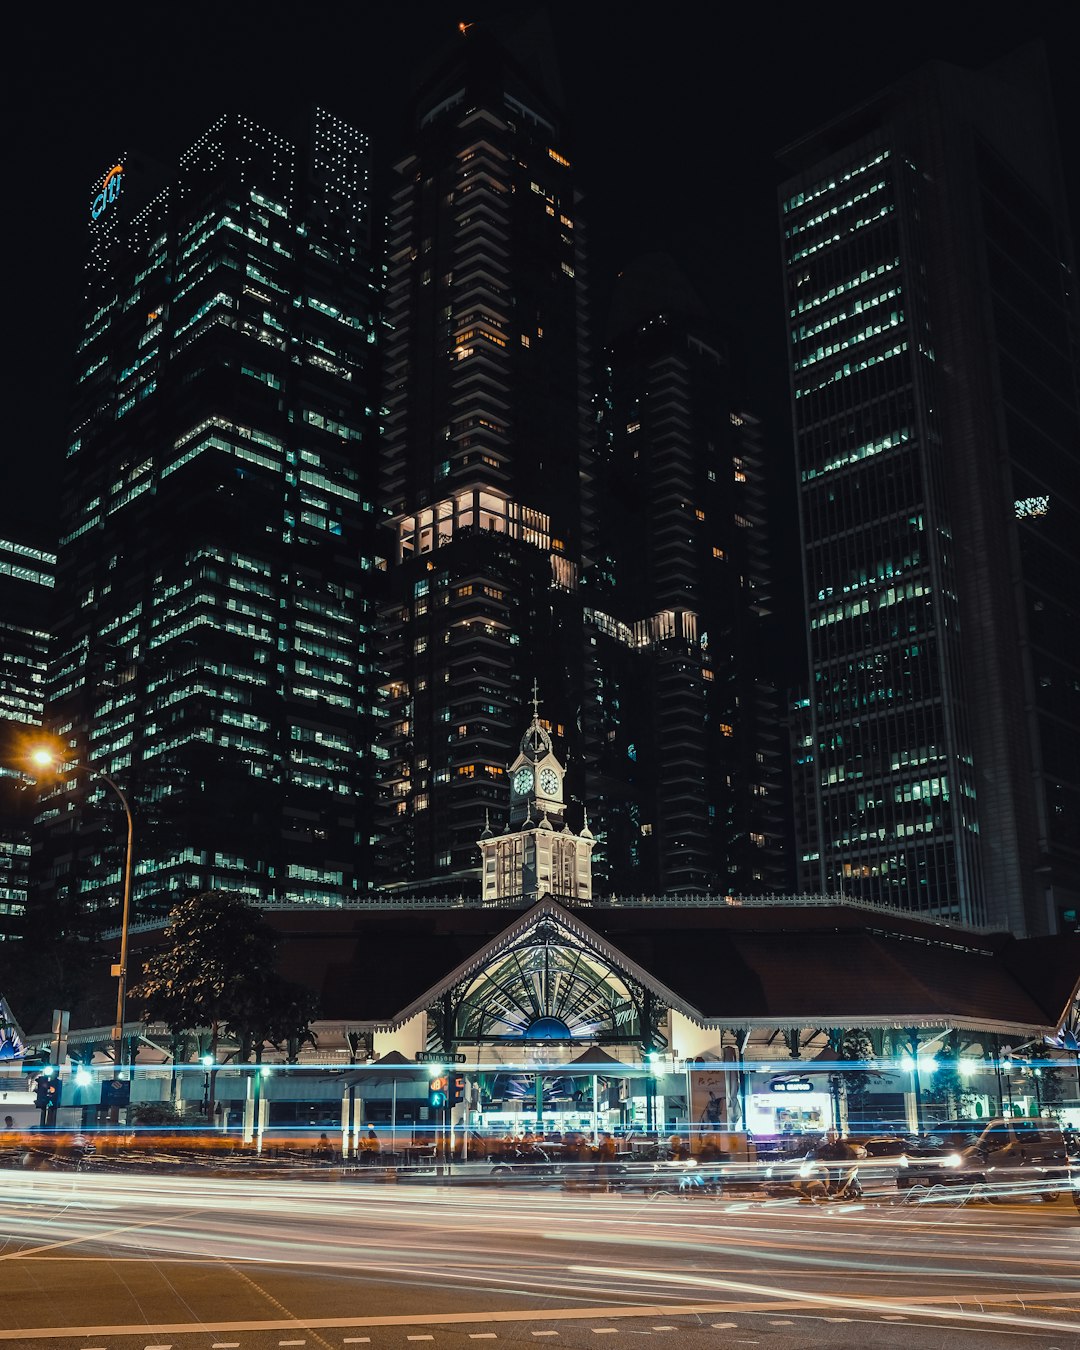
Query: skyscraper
27, 575
484, 473
932, 314
217, 558
682, 735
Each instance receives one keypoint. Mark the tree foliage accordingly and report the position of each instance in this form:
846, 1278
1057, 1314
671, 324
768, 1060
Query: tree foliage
857, 1050
217, 971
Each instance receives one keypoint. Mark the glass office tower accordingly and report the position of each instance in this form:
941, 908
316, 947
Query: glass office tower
484, 475
682, 728
217, 562
27, 576
932, 318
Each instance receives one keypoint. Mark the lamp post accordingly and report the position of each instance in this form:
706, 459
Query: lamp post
46, 758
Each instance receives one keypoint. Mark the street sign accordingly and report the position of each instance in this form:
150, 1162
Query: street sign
427, 1057
60, 1025
791, 1085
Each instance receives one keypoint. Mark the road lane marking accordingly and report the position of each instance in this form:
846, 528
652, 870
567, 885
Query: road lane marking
545, 1333
482, 1336
225, 1345
725, 1326
604, 1331
279, 1343
356, 1340
419, 1338
788, 1301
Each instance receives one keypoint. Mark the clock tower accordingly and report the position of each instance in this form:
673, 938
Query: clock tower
538, 854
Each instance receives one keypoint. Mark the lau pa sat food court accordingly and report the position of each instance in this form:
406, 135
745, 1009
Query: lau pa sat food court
541, 1009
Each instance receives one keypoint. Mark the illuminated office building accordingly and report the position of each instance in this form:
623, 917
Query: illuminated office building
483, 472
216, 564
26, 583
683, 749
932, 317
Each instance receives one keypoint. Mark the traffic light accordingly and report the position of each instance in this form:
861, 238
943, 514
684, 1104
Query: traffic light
457, 1088
47, 1092
438, 1090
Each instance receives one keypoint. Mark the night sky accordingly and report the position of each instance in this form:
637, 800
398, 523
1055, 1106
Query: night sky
674, 112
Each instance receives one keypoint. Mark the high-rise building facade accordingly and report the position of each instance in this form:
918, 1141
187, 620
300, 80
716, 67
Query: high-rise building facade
217, 563
483, 463
932, 315
27, 576
682, 729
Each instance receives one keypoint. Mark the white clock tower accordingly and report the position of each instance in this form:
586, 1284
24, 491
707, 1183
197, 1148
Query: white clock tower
537, 855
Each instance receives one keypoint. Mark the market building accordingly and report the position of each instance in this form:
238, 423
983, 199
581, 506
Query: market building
569, 1012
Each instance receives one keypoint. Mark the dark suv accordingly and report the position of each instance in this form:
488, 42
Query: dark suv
1015, 1155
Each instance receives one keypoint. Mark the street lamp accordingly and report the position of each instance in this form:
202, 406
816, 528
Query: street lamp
45, 758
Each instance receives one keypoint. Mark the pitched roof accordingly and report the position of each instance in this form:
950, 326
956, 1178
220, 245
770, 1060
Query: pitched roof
789, 964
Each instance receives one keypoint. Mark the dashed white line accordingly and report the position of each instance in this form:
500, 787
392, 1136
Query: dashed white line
781, 1322
664, 1328
419, 1338
545, 1333
604, 1331
724, 1326
356, 1340
279, 1343
482, 1336
157, 1347
225, 1345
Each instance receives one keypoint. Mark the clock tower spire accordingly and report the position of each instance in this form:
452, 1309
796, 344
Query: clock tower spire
538, 854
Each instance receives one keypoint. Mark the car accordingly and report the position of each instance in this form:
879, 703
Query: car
1015, 1155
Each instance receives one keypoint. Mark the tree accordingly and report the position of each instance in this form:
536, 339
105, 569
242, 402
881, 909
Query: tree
946, 1084
857, 1049
216, 971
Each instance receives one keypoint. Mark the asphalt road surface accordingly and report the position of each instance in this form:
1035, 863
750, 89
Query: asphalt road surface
99, 1262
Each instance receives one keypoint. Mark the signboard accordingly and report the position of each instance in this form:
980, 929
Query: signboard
791, 1085
115, 1092
111, 187
708, 1096
426, 1057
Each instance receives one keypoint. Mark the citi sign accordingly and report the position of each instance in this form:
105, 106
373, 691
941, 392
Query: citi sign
110, 190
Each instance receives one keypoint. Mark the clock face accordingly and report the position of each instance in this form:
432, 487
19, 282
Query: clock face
549, 783
523, 781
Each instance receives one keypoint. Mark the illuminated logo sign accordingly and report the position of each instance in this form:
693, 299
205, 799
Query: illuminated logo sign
791, 1085
110, 190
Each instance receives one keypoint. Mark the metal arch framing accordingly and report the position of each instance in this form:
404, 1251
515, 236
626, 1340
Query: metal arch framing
548, 972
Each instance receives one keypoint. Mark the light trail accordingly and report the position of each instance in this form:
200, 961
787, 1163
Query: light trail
451, 1245
915, 1307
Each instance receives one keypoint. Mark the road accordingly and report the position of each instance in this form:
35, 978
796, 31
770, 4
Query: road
98, 1262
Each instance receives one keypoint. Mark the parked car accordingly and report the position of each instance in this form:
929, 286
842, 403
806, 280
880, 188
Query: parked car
1013, 1154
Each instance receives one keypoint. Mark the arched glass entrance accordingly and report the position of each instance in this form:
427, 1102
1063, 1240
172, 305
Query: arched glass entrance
548, 987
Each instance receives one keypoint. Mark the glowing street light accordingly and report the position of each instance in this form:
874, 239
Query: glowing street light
45, 758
